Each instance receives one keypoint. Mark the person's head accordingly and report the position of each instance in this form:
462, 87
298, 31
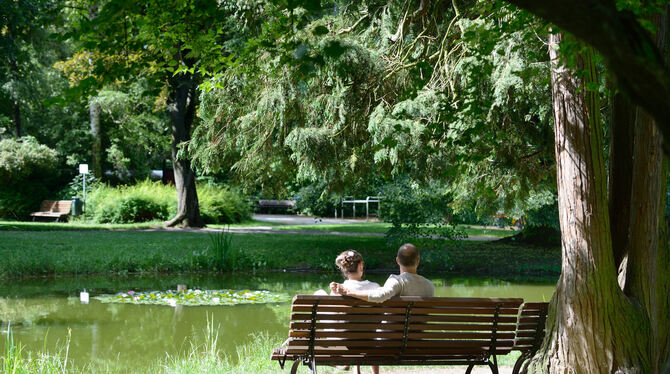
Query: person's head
349, 262
408, 256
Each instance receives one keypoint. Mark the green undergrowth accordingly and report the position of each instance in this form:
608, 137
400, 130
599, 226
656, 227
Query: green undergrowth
149, 201
40, 253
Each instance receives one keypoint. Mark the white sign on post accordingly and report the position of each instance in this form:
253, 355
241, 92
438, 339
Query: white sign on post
83, 168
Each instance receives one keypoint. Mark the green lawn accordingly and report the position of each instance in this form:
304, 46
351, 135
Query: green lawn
368, 227
382, 228
88, 226
90, 252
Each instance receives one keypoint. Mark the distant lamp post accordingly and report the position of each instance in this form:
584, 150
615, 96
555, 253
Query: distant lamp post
83, 170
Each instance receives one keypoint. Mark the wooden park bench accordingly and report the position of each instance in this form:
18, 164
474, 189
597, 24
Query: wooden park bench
276, 204
336, 330
53, 209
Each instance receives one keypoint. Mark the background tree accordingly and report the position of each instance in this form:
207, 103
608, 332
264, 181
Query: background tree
171, 43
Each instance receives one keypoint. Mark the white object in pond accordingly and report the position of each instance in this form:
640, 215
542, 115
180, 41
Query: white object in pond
172, 302
83, 297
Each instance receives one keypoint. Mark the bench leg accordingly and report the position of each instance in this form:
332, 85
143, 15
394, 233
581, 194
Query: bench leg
469, 369
519, 363
494, 367
294, 367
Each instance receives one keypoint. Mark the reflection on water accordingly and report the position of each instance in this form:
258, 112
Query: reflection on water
127, 336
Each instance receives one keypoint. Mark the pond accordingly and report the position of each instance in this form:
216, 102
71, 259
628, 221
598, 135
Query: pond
122, 336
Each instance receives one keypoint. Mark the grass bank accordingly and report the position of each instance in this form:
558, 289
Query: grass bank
45, 253
383, 227
82, 225
202, 357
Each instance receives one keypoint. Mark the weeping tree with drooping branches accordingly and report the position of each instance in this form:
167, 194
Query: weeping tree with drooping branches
376, 88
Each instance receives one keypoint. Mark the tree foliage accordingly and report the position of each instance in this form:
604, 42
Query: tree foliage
357, 89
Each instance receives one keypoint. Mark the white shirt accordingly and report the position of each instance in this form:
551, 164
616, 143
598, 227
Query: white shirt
354, 285
360, 285
405, 284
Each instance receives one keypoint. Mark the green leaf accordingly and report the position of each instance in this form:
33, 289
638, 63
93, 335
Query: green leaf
320, 30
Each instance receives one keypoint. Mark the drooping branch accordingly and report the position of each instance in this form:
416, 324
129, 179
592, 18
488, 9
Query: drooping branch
354, 26
423, 8
628, 49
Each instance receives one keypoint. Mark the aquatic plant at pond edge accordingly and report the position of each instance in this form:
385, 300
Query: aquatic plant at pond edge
16, 361
225, 256
195, 297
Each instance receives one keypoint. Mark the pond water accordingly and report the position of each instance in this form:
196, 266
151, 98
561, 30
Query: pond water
42, 311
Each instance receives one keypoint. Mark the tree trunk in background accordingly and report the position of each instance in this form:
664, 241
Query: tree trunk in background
592, 327
181, 105
17, 118
96, 138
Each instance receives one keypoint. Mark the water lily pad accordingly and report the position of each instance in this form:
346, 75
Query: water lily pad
195, 297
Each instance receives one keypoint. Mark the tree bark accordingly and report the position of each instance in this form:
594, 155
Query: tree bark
182, 104
648, 268
622, 125
626, 46
592, 327
96, 138
17, 118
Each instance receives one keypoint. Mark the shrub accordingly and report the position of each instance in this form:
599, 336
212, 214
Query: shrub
314, 201
222, 204
416, 212
146, 201
142, 202
28, 172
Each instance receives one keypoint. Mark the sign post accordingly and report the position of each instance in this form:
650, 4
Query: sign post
83, 170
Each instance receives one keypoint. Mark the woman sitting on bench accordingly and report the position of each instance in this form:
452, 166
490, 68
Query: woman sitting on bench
352, 267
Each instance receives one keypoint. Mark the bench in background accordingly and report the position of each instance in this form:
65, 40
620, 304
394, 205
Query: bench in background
335, 330
273, 205
53, 209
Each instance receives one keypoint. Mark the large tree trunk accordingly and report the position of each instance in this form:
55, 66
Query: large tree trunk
592, 326
96, 138
648, 270
182, 103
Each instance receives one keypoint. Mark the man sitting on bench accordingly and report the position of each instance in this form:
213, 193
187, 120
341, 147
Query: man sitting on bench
408, 283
